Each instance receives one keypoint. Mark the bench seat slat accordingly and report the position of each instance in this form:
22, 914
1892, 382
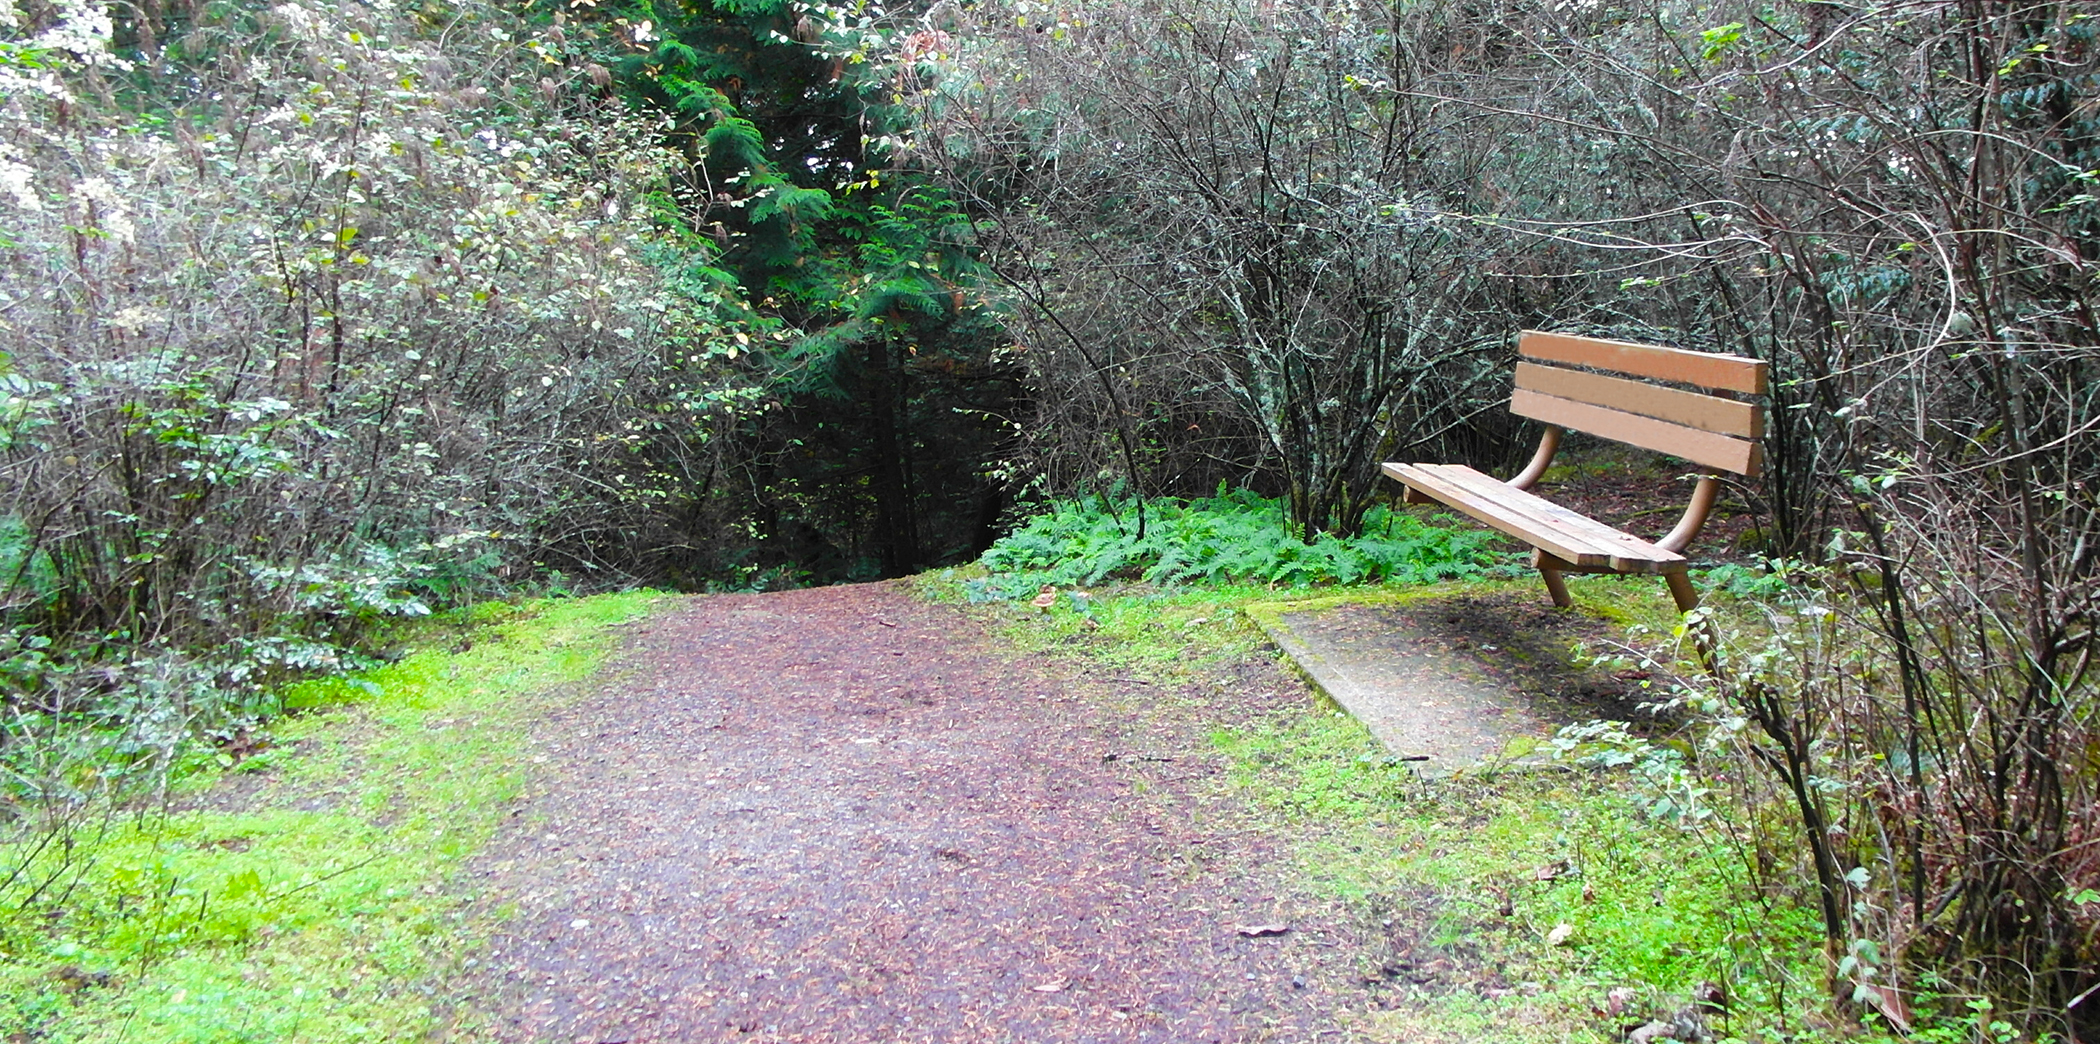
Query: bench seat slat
1565, 534
1601, 546
1603, 539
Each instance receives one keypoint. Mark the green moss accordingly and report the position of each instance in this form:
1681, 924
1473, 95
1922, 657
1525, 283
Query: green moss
313, 900
1269, 611
1481, 871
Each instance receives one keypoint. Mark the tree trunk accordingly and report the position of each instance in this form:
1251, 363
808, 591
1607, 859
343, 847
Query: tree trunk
898, 534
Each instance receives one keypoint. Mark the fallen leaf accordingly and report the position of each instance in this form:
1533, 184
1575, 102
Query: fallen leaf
1261, 931
1889, 1005
1052, 987
1550, 871
1560, 934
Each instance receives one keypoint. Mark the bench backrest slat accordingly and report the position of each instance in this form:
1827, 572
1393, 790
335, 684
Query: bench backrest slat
1718, 431
1691, 409
1702, 447
1720, 372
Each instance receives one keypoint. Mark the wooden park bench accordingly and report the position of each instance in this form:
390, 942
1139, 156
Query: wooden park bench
1685, 404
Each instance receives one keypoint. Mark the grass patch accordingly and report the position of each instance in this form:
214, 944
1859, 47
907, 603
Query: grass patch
303, 894
1175, 630
1532, 895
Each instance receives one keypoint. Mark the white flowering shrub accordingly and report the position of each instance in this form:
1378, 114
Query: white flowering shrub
317, 312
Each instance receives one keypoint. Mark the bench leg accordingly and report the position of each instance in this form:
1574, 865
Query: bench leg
1555, 584
1681, 589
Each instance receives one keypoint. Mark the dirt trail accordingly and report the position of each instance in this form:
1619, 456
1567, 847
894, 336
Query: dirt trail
842, 815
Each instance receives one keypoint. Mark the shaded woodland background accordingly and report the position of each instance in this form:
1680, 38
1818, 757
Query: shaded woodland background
314, 314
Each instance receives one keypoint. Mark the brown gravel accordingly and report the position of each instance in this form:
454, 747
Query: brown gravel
845, 815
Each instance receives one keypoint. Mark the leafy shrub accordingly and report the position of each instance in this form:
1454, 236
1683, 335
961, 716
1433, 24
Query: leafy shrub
318, 313
1772, 579
323, 292
1860, 797
1234, 536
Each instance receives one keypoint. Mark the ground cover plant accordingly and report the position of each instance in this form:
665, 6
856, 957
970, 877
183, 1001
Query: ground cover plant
317, 315
1234, 536
1892, 205
301, 893
1521, 904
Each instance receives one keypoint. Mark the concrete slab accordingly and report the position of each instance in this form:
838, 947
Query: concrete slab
1455, 681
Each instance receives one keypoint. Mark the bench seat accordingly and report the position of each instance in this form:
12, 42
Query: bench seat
1581, 543
1630, 393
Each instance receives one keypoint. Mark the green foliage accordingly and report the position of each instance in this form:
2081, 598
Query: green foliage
1653, 901
882, 397
26, 570
1177, 190
1234, 536
1772, 580
312, 901
320, 315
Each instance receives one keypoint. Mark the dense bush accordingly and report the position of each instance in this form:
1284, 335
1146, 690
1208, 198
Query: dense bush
1893, 207
315, 314
1229, 243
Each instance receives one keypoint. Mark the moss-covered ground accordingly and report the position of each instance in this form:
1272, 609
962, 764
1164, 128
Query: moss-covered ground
306, 893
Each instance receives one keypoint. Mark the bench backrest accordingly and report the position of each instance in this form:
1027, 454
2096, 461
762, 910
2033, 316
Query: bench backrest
1705, 423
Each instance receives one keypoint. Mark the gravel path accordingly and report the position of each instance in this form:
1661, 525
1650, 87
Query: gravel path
842, 815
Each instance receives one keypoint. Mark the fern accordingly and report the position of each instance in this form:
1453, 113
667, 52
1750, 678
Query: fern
1235, 536
734, 138
795, 204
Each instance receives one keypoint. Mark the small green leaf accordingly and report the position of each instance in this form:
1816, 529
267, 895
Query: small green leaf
1719, 39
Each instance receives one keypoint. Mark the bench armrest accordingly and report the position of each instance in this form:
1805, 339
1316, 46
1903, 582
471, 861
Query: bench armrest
1549, 444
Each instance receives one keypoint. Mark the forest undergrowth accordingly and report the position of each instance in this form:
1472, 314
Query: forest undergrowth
1651, 878
1504, 905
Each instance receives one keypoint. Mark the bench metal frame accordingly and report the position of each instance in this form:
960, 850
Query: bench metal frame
1692, 405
